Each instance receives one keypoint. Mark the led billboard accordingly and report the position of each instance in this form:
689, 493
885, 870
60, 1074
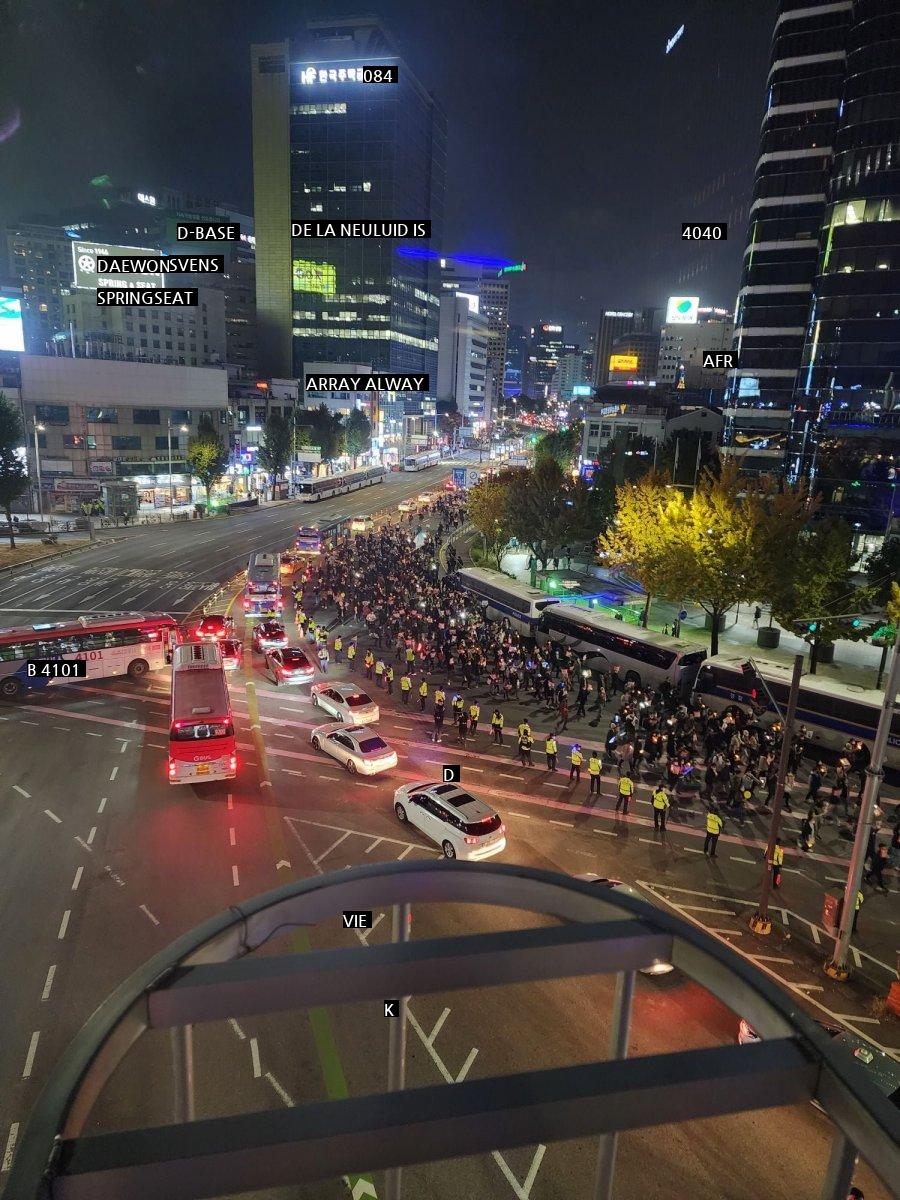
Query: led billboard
682, 310
318, 277
11, 334
623, 362
84, 267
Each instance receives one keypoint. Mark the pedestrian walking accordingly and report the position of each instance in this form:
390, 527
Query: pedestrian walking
757, 613
322, 655
626, 791
808, 830
423, 695
405, 689
462, 725
594, 767
497, 726
714, 825
776, 862
661, 804
816, 775
550, 751
438, 718
474, 714
576, 759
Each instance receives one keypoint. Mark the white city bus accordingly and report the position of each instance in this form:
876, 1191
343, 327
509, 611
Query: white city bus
262, 591
117, 644
501, 597
641, 654
833, 711
338, 485
418, 462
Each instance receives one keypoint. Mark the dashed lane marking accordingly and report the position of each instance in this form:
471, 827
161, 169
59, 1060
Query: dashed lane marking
22, 792
53, 816
32, 1051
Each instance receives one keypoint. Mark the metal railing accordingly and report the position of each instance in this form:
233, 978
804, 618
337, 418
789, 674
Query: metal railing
209, 975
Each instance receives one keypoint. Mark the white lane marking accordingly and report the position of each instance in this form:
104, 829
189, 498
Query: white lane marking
527, 816
506, 775
815, 934
365, 934
113, 773
333, 778
606, 832
10, 1150
464, 1069
862, 1020
64, 924
157, 746
769, 958
83, 844
88, 733
124, 747
237, 1029
692, 850
48, 982
533, 1169
230, 801
726, 932
279, 1089
232, 837
53, 816
557, 785
64, 728
734, 858
333, 846
438, 1026
372, 845
77, 879
21, 791
92, 835
32, 1050
144, 909
101, 805
286, 735
359, 783
254, 1058
565, 824
22, 721
288, 771
722, 912
404, 853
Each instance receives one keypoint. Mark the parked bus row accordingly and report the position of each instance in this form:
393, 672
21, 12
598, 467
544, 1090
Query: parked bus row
338, 485
421, 460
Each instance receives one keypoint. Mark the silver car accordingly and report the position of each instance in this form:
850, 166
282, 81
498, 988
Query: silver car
359, 748
345, 702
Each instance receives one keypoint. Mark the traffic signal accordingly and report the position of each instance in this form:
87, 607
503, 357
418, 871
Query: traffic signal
813, 627
856, 622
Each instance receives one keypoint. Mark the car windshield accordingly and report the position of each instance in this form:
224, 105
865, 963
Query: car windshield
370, 745
358, 699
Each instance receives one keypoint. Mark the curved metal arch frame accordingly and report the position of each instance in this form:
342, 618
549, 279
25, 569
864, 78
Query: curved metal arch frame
866, 1121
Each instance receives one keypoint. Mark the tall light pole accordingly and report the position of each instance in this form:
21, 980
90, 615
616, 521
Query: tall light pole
181, 429
837, 967
38, 428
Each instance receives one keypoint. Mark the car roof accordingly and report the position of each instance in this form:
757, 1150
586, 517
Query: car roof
463, 803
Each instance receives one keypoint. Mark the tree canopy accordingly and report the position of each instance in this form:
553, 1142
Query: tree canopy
562, 445
276, 447
327, 432
13, 476
487, 508
548, 509
207, 455
357, 434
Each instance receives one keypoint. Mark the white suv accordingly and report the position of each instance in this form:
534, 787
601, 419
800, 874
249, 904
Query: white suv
462, 826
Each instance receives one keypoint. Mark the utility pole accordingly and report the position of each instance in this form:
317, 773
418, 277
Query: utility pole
760, 922
837, 967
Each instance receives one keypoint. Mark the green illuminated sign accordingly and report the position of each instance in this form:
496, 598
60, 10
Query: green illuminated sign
514, 267
314, 277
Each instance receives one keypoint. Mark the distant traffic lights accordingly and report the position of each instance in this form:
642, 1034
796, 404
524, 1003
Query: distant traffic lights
813, 627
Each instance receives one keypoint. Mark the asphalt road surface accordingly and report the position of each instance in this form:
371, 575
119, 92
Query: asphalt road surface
103, 864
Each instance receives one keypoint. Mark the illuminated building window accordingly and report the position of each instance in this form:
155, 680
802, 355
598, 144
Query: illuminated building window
314, 110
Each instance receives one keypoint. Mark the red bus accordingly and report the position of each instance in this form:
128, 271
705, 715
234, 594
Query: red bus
124, 644
201, 728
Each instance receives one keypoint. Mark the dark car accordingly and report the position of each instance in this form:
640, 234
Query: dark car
269, 635
214, 626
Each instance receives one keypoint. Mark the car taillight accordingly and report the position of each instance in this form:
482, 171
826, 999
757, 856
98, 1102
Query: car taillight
246, 605
470, 841
232, 763
172, 768
503, 829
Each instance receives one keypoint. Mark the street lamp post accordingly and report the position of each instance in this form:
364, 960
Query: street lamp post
38, 428
181, 429
837, 967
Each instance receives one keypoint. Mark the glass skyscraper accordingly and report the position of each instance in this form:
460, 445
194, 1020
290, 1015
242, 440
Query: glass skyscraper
818, 315
329, 146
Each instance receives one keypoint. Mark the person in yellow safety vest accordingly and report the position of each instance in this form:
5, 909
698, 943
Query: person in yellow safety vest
714, 825
405, 688
577, 758
859, 903
526, 741
312, 631
457, 706
369, 661
474, 714
594, 772
626, 791
660, 802
524, 727
497, 726
379, 673
351, 653
550, 751
389, 676
410, 656
338, 647
439, 696
777, 862
423, 695
300, 618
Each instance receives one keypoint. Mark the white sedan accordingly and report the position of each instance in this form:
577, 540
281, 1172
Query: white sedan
360, 749
345, 702
657, 968
462, 826
407, 506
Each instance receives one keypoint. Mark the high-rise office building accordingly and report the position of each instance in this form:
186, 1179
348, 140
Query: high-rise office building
818, 317
613, 324
516, 351
494, 293
541, 359
682, 349
329, 145
462, 359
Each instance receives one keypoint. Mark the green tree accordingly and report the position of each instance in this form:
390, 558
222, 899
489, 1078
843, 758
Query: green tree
562, 445
275, 448
548, 509
207, 456
487, 508
636, 540
13, 476
821, 587
883, 567
327, 432
357, 434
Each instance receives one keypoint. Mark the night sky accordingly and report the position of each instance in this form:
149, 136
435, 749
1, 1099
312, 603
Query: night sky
575, 141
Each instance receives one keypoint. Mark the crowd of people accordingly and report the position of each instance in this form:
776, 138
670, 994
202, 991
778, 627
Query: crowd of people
428, 640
